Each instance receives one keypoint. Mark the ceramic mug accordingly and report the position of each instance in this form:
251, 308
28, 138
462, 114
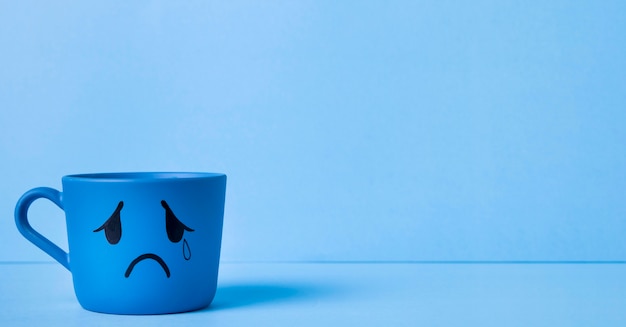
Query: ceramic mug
139, 243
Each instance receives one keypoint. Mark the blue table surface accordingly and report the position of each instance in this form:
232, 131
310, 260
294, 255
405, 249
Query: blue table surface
314, 294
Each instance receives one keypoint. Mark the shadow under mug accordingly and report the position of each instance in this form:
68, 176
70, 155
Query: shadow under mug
139, 243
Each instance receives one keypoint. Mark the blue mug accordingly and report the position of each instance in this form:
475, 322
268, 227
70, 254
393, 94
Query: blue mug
139, 243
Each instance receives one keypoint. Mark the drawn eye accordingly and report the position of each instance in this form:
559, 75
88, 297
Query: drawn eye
174, 227
113, 226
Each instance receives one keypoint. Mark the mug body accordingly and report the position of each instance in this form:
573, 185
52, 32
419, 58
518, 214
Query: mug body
144, 243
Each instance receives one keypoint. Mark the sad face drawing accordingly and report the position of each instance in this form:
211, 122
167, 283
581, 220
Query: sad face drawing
175, 229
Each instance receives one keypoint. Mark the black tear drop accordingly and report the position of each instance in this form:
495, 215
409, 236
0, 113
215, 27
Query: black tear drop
186, 250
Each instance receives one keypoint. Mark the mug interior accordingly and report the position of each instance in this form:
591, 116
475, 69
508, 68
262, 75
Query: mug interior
135, 176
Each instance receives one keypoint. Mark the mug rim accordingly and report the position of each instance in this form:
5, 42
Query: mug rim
140, 176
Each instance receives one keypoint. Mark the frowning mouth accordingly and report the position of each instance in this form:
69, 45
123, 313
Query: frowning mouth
144, 257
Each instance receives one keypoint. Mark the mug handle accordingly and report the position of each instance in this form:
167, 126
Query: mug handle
21, 220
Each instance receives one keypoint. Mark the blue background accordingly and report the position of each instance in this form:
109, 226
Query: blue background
404, 130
